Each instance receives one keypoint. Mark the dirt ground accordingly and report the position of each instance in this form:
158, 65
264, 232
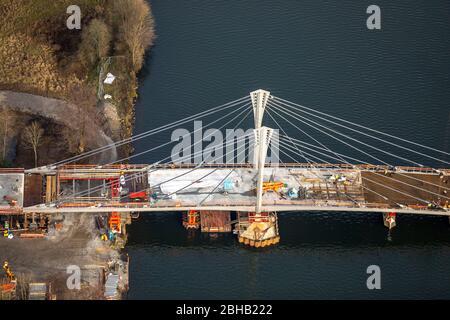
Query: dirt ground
54, 115
46, 260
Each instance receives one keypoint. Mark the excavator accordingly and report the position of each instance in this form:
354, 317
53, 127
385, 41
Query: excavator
8, 289
9, 274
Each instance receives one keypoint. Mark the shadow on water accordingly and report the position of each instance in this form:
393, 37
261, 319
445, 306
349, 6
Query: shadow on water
300, 230
321, 255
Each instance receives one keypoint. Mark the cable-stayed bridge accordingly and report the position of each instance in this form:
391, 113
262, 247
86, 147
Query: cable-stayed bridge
326, 163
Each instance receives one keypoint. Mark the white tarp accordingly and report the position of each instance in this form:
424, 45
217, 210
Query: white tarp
109, 78
171, 181
187, 186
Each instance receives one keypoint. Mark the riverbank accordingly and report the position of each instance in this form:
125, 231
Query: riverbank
58, 116
64, 92
43, 57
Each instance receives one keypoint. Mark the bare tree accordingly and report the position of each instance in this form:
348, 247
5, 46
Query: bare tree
33, 138
136, 28
23, 282
7, 119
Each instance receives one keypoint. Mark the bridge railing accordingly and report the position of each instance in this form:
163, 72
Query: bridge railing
310, 203
11, 170
126, 167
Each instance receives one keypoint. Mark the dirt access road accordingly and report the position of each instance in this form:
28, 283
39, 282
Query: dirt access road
46, 260
60, 112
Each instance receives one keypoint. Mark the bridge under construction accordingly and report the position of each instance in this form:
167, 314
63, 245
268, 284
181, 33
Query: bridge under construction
312, 177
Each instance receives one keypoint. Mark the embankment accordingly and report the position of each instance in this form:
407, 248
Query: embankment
63, 113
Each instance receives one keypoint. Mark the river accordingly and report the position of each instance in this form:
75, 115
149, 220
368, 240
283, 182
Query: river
319, 54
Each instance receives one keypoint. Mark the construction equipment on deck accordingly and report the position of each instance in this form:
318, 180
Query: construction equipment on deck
140, 196
274, 186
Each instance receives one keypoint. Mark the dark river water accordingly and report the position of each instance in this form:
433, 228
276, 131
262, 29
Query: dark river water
319, 54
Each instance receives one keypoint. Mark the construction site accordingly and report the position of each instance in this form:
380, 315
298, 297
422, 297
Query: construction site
38, 249
208, 195
85, 208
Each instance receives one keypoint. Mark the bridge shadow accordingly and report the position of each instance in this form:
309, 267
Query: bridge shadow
301, 230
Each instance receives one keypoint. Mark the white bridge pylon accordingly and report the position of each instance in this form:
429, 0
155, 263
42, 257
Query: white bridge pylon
259, 100
262, 137
378, 186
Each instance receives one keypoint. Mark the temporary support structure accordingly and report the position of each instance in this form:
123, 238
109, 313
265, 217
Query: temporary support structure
191, 220
389, 219
215, 221
114, 221
258, 229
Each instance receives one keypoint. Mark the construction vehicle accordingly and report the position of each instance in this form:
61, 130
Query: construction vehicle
8, 288
141, 196
9, 274
11, 201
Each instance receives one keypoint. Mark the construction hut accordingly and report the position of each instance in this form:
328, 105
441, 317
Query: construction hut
258, 229
215, 221
39, 291
8, 290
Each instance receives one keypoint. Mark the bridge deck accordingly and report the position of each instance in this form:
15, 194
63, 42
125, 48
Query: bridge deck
406, 188
323, 187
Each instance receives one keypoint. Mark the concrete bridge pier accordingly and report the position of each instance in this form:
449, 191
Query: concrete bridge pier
258, 229
191, 219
